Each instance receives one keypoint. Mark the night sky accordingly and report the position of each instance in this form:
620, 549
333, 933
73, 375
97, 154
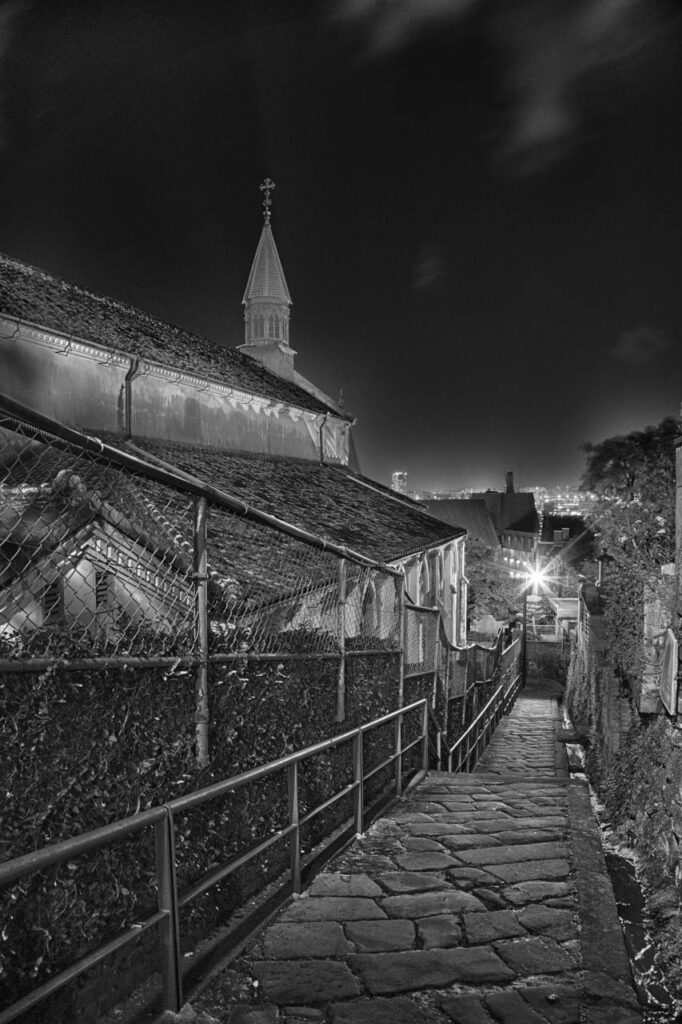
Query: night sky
478, 204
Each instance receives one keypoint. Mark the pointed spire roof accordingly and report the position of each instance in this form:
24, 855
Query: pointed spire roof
266, 280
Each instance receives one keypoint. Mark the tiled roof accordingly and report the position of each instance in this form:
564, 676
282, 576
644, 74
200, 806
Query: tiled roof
266, 280
30, 294
552, 522
45, 496
330, 501
513, 510
469, 513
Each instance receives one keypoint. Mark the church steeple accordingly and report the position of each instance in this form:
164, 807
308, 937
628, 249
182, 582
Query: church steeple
267, 302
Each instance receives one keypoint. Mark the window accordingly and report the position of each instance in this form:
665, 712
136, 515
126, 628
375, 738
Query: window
369, 610
102, 590
258, 326
53, 601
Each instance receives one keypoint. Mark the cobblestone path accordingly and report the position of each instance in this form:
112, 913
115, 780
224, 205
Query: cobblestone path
477, 899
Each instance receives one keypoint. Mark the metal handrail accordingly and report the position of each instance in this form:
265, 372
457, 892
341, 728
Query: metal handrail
162, 818
483, 726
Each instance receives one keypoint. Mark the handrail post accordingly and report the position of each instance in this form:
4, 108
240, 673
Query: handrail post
397, 750
341, 684
524, 654
425, 732
402, 624
359, 780
169, 928
295, 837
201, 627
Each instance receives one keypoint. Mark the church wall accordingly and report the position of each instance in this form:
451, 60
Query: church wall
76, 384
176, 408
84, 386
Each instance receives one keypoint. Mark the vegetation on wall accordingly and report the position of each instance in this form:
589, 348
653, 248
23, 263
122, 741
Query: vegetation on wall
634, 476
641, 781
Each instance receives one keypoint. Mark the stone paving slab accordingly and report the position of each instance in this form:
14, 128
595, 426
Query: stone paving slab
477, 899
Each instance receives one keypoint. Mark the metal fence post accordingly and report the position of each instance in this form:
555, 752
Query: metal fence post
341, 684
359, 780
425, 731
169, 928
397, 750
402, 623
295, 837
201, 626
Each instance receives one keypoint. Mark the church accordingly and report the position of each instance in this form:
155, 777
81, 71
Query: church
242, 418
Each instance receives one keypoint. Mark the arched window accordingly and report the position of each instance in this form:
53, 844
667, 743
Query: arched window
369, 610
257, 326
285, 330
271, 327
425, 583
276, 334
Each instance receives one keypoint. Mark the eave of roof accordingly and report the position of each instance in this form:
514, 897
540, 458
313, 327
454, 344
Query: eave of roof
39, 299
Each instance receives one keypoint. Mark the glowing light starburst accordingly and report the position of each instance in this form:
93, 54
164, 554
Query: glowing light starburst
537, 579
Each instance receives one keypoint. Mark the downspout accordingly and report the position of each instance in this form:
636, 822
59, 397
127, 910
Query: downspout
131, 374
323, 424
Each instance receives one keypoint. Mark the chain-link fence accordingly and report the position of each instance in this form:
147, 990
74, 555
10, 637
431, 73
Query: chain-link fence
102, 556
143, 611
422, 630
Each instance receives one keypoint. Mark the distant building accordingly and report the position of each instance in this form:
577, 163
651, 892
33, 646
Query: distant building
399, 482
470, 514
516, 523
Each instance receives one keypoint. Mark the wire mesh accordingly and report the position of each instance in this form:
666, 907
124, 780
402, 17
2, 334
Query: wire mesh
100, 560
421, 640
90, 561
372, 609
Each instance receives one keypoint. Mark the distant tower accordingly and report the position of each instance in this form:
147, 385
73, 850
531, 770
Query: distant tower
509, 482
267, 303
399, 482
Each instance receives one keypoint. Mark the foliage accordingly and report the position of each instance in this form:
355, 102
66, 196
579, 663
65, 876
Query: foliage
635, 529
81, 749
638, 463
491, 589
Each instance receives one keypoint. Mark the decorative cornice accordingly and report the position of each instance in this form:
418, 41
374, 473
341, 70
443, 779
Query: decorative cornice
66, 344
63, 344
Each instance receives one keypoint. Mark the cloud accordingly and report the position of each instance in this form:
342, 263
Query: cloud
641, 345
430, 268
548, 52
393, 24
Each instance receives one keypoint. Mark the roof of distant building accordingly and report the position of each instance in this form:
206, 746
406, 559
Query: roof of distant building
330, 501
470, 514
511, 510
574, 524
36, 297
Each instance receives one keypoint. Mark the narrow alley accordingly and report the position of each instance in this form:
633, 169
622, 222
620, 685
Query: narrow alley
477, 898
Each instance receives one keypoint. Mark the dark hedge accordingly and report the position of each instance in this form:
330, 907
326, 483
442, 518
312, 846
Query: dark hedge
80, 749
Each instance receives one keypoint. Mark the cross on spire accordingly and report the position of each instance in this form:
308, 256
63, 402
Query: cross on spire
267, 188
